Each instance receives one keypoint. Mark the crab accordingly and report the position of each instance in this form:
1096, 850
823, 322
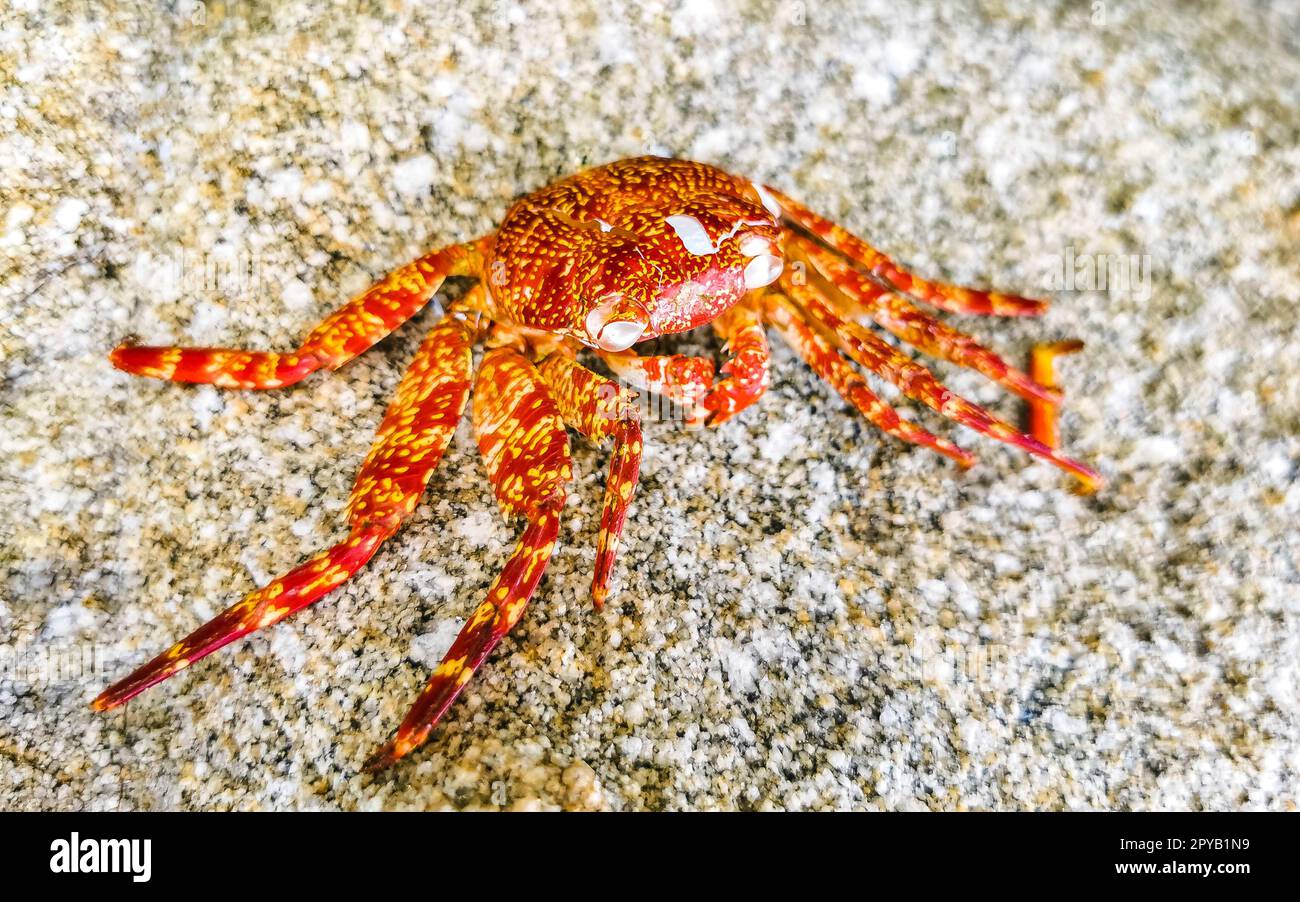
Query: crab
596, 264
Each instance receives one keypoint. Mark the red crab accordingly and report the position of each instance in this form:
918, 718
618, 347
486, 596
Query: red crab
603, 260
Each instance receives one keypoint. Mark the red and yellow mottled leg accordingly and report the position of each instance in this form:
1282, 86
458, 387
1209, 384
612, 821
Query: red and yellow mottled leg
682, 379
488, 625
1043, 414
916, 328
917, 382
270, 604
952, 298
343, 335
411, 440
420, 420
746, 366
526, 450
599, 408
820, 354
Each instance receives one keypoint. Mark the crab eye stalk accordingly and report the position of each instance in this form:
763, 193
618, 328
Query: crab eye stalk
752, 245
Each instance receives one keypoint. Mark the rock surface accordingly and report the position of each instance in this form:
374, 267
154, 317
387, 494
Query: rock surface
807, 614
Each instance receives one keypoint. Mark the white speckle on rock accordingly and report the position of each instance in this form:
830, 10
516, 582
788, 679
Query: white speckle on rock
285, 184
634, 713
698, 17
206, 402
69, 620
317, 193
354, 136
296, 295
428, 648
1062, 721
901, 56
479, 527
739, 663
69, 213
1277, 466
781, 439
935, 591
16, 217
873, 86
414, 177
1005, 564
1156, 450
289, 649
582, 790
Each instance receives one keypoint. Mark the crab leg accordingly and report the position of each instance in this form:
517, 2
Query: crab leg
598, 408
411, 440
916, 328
1042, 415
746, 366
917, 382
952, 298
488, 625
820, 354
526, 450
343, 335
270, 604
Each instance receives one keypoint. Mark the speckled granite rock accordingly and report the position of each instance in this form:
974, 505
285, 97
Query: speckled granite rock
810, 615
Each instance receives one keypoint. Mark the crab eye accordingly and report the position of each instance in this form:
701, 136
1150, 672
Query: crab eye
619, 336
762, 270
614, 325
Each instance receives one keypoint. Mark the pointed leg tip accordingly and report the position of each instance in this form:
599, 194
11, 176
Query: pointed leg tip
1087, 480
1009, 305
1030, 307
1056, 348
387, 755
136, 359
599, 594
381, 759
954, 452
1089, 484
115, 695
963, 458
118, 355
